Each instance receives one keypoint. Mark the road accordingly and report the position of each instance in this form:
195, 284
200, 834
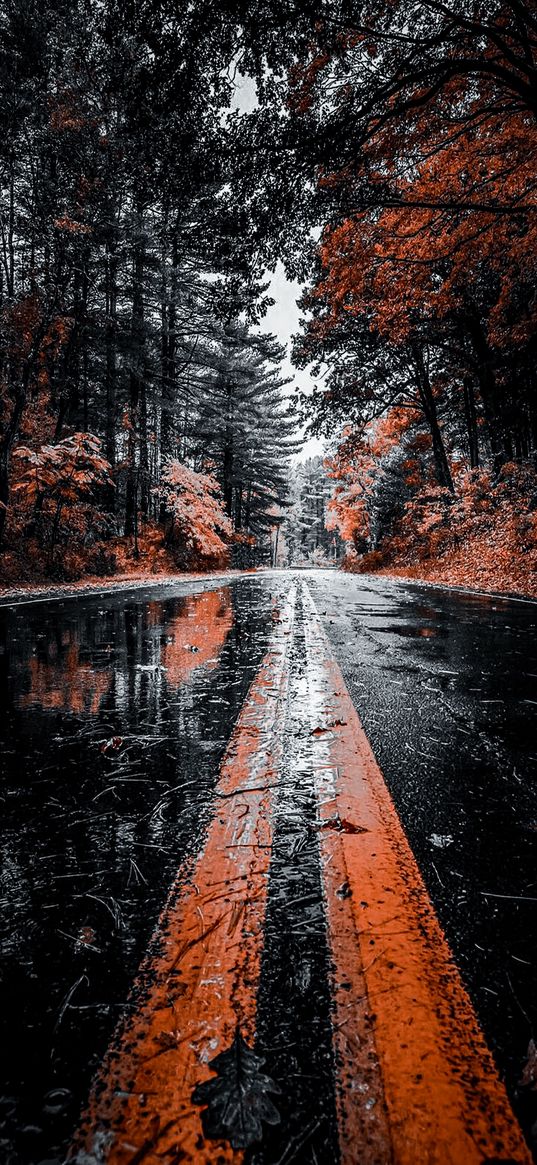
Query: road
130, 721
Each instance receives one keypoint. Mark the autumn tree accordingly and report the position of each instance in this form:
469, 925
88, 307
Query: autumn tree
197, 524
121, 260
56, 484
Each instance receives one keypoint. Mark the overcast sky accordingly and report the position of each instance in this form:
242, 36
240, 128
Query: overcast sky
282, 319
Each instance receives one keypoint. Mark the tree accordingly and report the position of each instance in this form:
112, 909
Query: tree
378, 473
54, 481
197, 522
243, 425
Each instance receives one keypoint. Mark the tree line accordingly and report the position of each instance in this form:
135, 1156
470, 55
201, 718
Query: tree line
137, 388
409, 129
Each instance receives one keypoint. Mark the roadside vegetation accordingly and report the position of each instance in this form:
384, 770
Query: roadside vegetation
388, 157
421, 307
144, 424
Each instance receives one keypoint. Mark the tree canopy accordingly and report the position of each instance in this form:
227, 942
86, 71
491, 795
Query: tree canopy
389, 160
128, 310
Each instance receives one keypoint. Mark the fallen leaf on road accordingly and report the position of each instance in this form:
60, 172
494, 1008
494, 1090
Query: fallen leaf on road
529, 1073
342, 825
112, 745
237, 1098
319, 731
441, 840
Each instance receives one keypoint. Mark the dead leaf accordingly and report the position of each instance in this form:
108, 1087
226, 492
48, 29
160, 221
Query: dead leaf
86, 934
342, 825
156, 1133
237, 1098
319, 731
112, 745
529, 1072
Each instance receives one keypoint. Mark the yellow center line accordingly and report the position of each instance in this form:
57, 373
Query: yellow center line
417, 1084
198, 984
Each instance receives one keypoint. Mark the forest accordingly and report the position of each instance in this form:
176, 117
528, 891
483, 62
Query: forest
389, 162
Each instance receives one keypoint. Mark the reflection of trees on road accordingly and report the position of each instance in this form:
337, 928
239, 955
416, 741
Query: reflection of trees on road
196, 635
64, 682
66, 674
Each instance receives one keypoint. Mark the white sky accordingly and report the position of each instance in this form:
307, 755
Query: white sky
282, 319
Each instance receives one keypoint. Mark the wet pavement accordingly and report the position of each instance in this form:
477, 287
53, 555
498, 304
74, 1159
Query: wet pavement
115, 718
445, 684
117, 712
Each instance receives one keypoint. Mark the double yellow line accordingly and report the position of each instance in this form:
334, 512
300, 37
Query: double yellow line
415, 1082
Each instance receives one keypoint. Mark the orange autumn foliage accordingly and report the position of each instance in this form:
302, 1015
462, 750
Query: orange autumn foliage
198, 526
393, 517
73, 226
484, 537
67, 471
362, 466
419, 261
55, 489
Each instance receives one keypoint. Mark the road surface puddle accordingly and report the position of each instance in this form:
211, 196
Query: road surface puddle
117, 711
208, 896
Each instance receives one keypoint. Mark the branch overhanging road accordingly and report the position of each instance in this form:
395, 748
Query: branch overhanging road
413, 1079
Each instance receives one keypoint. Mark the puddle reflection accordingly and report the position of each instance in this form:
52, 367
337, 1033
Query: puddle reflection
195, 637
57, 675
116, 716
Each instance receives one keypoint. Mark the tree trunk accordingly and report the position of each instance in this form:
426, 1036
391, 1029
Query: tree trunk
428, 403
228, 459
169, 354
471, 422
135, 379
144, 452
111, 366
488, 390
6, 445
238, 507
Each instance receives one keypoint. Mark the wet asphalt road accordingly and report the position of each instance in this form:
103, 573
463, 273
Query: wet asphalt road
117, 710
116, 713
445, 684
